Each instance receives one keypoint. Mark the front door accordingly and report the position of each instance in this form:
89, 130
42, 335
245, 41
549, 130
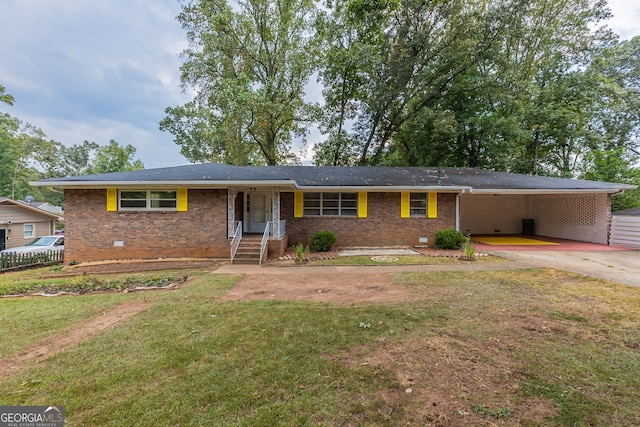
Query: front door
3, 239
258, 211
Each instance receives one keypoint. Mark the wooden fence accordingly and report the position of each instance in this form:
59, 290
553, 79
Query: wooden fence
15, 260
625, 231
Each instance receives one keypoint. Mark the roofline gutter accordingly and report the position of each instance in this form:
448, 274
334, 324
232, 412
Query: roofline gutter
226, 184
294, 186
164, 184
547, 191
382, 188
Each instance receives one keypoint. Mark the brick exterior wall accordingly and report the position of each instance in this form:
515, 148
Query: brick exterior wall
582, 217
201, 232
382, 227
91, 231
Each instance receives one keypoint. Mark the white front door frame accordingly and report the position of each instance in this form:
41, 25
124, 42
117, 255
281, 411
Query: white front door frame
257, 211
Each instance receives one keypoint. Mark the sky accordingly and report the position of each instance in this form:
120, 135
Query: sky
101, 70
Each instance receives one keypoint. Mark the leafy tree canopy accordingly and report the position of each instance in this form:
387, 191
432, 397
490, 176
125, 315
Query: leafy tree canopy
27, 155
248, 62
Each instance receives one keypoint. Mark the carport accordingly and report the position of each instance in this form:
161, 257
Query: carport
583, 217
500, 203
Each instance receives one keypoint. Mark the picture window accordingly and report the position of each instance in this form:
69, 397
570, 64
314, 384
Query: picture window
148, 200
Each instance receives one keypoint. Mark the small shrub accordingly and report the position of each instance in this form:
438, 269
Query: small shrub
301, 252
322, 241
469, 251
449, 239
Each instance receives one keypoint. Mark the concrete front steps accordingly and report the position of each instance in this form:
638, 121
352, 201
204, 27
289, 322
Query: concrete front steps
248, 251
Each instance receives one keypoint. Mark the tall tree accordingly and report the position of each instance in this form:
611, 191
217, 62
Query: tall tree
22, 148
5, 97
473, 83
205, 137
249, 62
407, 55
27, 155
115, 158
614, 165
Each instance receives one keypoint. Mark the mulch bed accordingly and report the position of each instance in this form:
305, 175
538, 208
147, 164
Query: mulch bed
135, 267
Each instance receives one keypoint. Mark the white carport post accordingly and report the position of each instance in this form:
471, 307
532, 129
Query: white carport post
275, 214
458, 209
231, 212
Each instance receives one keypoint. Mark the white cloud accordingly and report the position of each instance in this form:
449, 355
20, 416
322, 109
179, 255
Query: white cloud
626, 18
95, 70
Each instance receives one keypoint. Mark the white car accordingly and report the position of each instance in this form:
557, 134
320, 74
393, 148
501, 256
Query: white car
39, 244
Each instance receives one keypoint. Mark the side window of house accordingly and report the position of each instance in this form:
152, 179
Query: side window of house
150, 199
418, 204
29, 231
331, 204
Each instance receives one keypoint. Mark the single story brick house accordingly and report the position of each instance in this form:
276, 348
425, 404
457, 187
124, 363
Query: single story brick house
196, 210
21, 222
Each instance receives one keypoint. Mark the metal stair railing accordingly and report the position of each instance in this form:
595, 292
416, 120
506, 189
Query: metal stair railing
265, 240
235, 242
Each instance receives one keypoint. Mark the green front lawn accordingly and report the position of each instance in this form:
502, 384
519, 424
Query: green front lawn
528, 347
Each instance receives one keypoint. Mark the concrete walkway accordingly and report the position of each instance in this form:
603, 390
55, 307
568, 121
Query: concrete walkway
616, 266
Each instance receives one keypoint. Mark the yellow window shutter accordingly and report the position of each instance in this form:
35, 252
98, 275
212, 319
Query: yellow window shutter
433, 206
405, 206
362, 204
298, 204
112, 199
183, 200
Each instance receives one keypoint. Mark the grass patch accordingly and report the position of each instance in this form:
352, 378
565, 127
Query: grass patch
527, 347
24, 321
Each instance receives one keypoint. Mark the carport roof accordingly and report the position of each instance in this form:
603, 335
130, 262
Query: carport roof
217, 175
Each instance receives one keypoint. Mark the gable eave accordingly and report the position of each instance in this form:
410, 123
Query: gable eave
32, 209
551, 190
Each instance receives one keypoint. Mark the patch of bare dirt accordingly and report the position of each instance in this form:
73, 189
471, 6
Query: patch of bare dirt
442, 379
81, 332
345, 288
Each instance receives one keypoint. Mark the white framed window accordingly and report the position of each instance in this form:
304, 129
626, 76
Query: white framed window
29, 231
418, 203
331, 204
148, 200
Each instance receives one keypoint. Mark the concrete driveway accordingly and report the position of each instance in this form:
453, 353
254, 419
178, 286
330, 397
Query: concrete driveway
616, 266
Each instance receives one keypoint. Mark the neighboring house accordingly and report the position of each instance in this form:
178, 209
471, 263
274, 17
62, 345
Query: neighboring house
46, 206
192, 211
625, 228
20, 223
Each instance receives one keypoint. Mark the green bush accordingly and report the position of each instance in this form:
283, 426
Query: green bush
322, 241
449, 239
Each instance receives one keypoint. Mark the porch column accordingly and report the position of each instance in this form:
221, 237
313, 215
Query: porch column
231, 211
275, 214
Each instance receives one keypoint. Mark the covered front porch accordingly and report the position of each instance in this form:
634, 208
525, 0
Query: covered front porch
254, 223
